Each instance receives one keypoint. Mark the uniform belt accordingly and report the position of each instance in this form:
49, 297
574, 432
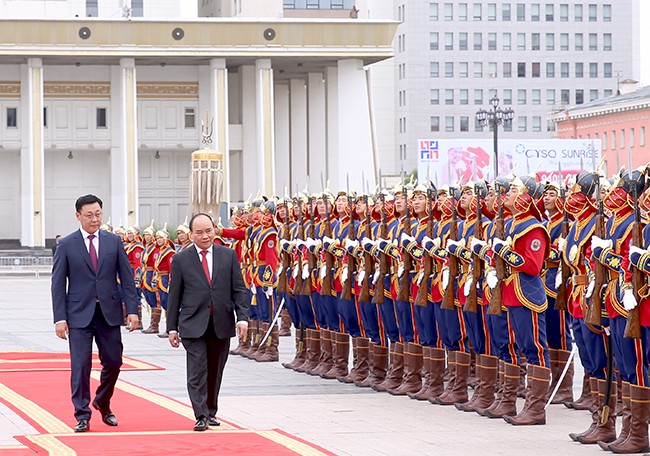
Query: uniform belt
259, 263
148, 269
581, 279
163, 273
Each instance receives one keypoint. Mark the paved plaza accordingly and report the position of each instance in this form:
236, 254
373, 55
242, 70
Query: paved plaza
341, 418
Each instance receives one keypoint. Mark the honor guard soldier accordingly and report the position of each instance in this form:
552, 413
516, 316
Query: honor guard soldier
183, 240
162, 268
134, 250
149, 282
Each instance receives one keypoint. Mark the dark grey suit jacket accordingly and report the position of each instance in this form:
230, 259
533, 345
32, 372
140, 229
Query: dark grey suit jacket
190, 295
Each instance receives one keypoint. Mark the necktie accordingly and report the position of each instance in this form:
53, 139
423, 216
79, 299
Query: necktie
204, 263
92, 251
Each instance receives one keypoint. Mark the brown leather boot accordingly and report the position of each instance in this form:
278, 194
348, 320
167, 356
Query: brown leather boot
412, 379
469, 405
498, 393
522, 390
472, 377
361, 356
261, 348
378, 366
605, 432
619, 399
255, 339
326, 360
507, 406
434, 369
595, 414
301, 354
450, 377
245, 344
156, 312
285, 323
341, 356
586, 400
271, 346
396, 371
624, 393
458, 393
139, 326
565, 391
637, 440
534, 413
489, 373
313, 351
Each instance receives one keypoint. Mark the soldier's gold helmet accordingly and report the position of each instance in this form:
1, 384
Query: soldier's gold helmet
150, 230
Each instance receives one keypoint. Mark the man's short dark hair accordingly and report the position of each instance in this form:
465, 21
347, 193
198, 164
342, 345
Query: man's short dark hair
198, 215
87, 199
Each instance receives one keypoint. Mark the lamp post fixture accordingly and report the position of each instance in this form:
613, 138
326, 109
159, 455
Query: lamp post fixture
493, 118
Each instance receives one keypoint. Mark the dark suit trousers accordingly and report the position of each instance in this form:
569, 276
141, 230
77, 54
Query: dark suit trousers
109, 343
206, 359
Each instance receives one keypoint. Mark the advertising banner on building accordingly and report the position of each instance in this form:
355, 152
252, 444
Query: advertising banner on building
458, 160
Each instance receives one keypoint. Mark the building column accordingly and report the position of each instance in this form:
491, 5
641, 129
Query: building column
332, 122
250, 169
299, 139
317, 116
264, 125
32, 159
219, 109
283, 177
124, 143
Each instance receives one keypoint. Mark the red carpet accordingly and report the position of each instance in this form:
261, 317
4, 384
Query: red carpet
149, 423
43, 361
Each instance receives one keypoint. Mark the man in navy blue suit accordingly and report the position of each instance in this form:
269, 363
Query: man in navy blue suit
87, 304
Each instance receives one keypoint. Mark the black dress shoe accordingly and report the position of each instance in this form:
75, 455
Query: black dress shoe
201, 424
82, 426
107, 416
212, 421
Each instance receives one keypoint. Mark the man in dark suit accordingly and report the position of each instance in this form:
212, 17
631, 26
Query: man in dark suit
87, 304
206, 293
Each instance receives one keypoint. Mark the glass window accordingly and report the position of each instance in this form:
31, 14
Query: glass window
463, 96
564, 41
434, 70
550, 69
534, 12
536, 96
593, 70
564, 12
449, 41
564, 69
434, 96
449, 69
435, 123
580, 70
604, 140
507, 69
537, 124
492, 11
507, 96
101, 118
492, 70
521, 41
464, 123
492, 41
607, 42
478, 13
521, 69
449, 123
593, 94
622, 139
462, 41
433, 11
12, 117
613, 137
580, 96
607, 70
550, 41
190, 118
607, 93
463, 69
478, 41
565, 96
449, 11
550, 13
505, 12
607, 13
577, 12
534, 41
593, 42
578, 42
478, 126
536, 69
462, 11
433, 41
492, 93
449, 96
478, 69
521, 124
642, 136
593, 12
631, 137
521, 96
92, 9
478, 96
506, 41
550, 96
521, 12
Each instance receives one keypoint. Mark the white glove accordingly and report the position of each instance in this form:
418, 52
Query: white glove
350, 245
360, 276
634, 249
561, 242
367, 243
445, 278
305, 271
327, 241
294, 273
458, 244
406, 239
590, 289
629, 301
300, 243
420, 277
491, 279
474, 242
437, 242
323, 271
382, 243
280, 269
496, 241
268, 291
285, 245
426, 240
468, 285
558, 278
400, 270
253, 289
344, 274
602, 243
375, 276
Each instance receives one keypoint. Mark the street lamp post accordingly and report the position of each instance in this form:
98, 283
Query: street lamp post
493, 118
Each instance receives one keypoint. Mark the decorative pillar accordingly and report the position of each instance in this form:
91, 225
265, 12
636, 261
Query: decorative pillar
265, 126
332, 122
317, 150
299, 137
219, 110
283, 175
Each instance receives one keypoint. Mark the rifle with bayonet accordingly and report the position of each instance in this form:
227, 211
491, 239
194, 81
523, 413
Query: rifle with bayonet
422, 298
562, 297
405, 280
283, 286
346, 292
311, 258
593, 316
448, 296
633, 324
378, 297
364, 293
326, 286
494, 308
299, 283
471, 303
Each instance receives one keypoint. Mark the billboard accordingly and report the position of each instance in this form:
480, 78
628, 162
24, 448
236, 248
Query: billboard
454, 161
